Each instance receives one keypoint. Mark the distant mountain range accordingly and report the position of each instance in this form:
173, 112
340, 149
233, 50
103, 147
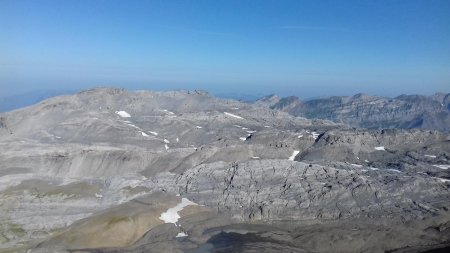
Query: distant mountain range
361, 110
373, 112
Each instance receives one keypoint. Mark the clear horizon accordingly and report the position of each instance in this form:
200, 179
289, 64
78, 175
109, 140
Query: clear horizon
302, 48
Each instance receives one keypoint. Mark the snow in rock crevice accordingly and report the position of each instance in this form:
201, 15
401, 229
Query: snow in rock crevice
232, 115
181, 234
123, 114
294, 154
442, 166
315, 135
131, 125
169, 112
380, 148
443, 180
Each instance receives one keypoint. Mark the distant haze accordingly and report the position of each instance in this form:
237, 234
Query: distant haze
302, 48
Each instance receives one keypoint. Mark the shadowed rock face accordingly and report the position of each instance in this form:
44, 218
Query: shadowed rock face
94, 172
361, 110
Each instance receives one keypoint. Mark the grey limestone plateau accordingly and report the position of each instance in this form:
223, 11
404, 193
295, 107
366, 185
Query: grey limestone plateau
111, 170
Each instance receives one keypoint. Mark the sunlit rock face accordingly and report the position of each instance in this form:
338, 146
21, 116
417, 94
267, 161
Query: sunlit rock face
109, 170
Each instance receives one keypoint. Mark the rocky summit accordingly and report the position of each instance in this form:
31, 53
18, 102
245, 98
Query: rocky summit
110, 170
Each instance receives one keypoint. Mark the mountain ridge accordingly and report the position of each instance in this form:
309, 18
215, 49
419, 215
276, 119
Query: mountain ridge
373, 112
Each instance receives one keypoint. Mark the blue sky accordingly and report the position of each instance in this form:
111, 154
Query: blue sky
303, 48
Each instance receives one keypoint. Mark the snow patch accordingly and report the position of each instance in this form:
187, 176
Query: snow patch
380, 148
154, 133
131, 125
255, 157
182, 234
169, 112
199, 127
431, 156
266, 126
294, 154
300, 136
171, 215
356, 165
443, 180
372, 168
315, 135
177, 139
394, 170
166, 146
232, 115
144, 134
242, 138
98, 195
123, 114
251, 132
443, 167
166, 141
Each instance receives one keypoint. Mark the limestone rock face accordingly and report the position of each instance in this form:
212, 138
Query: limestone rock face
96, 171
